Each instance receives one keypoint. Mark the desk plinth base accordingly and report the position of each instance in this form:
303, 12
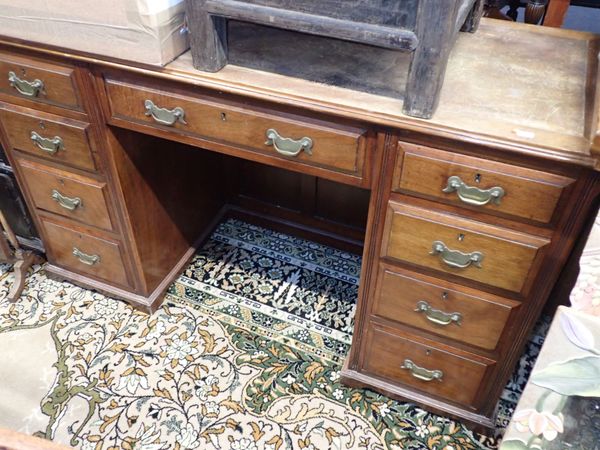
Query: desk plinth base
477, 422
147, 304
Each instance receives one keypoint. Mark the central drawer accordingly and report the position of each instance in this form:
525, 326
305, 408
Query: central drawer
309, 141
461, 247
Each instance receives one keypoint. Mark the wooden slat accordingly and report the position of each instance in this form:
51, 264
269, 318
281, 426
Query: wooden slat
382, 36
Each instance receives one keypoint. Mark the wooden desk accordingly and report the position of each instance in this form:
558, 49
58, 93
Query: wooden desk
469, 216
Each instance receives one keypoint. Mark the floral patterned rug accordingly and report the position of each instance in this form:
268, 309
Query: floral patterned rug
244, 355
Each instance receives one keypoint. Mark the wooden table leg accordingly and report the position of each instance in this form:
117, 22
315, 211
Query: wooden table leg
22, 259
555, 15
25, 259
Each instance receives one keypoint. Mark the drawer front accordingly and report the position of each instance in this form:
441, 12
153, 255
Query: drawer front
39, 81
316, 143
80, 252
461, 247
476, 183
442, 308
441, 371
48, 136
73, 196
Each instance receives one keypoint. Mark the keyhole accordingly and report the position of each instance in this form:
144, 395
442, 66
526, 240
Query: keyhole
42, 125
444, 296
428, 352
478, 178
461, 237
23, 72
224, 117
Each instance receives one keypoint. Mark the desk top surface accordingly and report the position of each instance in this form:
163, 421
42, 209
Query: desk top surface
527, 89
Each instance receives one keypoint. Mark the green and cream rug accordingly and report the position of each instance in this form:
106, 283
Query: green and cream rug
244, 355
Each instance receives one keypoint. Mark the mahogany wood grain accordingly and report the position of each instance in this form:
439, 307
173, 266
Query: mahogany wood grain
61, 240
386, 144
339, 207
339, 148
42, 181
389, 348
169, 202
555, 13
528, 194
19, 123
509, 260
59, 82
472, 418
484, 317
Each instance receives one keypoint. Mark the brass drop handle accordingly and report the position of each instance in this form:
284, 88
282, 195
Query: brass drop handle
70, 203
473, 195
286, 146
165, 116
438, 316
455, 258
48, 145
421, 373
24, 87
90, 260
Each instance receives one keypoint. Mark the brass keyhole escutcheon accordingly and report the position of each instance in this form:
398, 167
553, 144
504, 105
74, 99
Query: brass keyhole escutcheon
461, 237
478, 178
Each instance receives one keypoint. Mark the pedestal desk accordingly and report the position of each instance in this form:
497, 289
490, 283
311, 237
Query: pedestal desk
465, 220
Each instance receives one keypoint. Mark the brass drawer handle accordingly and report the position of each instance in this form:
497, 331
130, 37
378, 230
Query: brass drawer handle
90, 260
24, 87
454, 258
421, 373
66, 202
48, 145
287, 146
165, 116
473, 195
438, 316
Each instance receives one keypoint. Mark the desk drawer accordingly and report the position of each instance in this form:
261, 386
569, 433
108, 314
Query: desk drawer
295, 138
442, 308
437, 370
39, 81
48, 136
465, 248
490, 186
69, 195
99, 257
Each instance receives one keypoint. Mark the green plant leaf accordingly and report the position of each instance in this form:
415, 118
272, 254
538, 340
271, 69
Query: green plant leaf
579, 376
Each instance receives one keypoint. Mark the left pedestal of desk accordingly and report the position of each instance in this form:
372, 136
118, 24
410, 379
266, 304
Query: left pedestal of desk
105, 201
